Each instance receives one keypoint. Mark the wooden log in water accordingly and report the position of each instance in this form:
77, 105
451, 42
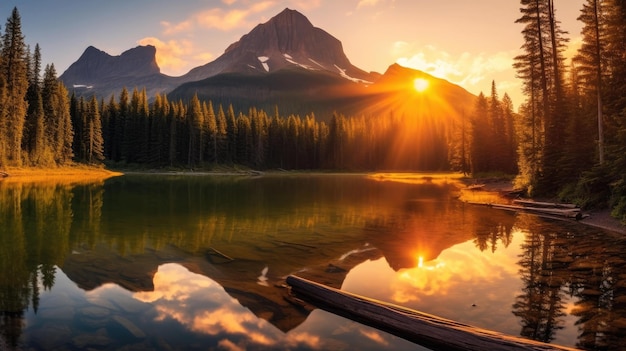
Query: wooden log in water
421, 328
544, 204
218, 253
569, 213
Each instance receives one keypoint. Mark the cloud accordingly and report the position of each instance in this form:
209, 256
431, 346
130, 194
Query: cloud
172, 55
305, 5
218, 18
472, 71
364, 3
169, 28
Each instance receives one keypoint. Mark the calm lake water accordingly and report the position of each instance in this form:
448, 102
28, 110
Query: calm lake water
193, 262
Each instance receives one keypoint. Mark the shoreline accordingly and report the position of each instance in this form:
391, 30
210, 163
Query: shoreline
599, 218
65, 175
80, 174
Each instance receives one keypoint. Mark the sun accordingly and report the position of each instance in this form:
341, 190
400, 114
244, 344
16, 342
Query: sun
420, 84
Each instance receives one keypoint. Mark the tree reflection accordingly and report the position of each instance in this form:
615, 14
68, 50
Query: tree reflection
287, 224
587, 265
598, 271
30, 237
34, 230
540, 306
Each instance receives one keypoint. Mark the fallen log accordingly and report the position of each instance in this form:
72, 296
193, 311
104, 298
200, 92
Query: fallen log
214, 251
544, 204
569, 213
3, 174
418, 327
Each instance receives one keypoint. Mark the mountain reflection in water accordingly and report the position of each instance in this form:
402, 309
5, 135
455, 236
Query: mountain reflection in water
157, 262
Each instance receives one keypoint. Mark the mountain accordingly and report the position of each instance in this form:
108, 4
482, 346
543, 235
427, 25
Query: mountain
285, 62
97, 72
286, 40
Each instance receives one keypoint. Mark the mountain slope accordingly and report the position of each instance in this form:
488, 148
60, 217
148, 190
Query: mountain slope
99, 73
286, 40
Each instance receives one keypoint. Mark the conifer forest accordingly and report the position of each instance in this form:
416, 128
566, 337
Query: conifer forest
567, 139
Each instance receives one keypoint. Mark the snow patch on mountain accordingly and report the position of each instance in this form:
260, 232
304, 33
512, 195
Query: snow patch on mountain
263, 60
315, 62
299, 64
343, 73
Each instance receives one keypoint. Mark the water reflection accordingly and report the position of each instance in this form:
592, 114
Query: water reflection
580, 273
163, 262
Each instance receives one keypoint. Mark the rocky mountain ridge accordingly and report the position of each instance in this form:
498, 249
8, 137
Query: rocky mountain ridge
284, 62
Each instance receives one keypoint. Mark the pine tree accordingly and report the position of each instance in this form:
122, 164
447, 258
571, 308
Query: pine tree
590, 62
481, 150
510, 135
222, 137
65, 152
94, 143
211, 131
58, 125
34, 141
541, 67
231, 134
195, 120
14, 70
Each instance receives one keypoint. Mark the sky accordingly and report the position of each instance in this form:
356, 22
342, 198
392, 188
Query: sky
468, 42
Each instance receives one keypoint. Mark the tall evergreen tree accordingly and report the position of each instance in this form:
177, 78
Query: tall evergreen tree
590, 63
481, 150
94, 144
34, 134
14, 70
540, 67
195, 120
211, 131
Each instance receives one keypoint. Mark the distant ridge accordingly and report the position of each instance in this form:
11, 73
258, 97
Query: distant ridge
285, 62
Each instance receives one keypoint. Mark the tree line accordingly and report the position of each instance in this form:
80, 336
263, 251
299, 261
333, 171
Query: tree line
41, 124
549, 142
572, 131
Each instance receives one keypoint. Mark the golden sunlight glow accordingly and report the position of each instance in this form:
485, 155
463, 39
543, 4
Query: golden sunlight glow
420, 84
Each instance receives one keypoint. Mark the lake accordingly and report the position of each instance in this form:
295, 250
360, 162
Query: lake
165, 262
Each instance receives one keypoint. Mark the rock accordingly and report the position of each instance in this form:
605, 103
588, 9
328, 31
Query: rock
130, 327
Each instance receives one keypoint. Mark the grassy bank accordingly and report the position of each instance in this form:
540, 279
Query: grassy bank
67, 175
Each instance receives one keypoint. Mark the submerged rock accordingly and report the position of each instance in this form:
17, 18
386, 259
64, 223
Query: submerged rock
130, 327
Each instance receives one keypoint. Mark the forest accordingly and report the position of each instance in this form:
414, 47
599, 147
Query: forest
566, 140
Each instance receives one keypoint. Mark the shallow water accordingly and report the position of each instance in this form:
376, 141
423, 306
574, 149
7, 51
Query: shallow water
196, 262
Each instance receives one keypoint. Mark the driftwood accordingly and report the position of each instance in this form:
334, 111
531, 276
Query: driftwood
545, 211
569, 213
421, 328
544, 204
294, 244
220, 254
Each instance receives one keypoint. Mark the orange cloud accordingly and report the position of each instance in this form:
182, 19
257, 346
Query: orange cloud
305, 4
228, 20
218, 18
364, 3
474, 72
173, 55
170, 28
